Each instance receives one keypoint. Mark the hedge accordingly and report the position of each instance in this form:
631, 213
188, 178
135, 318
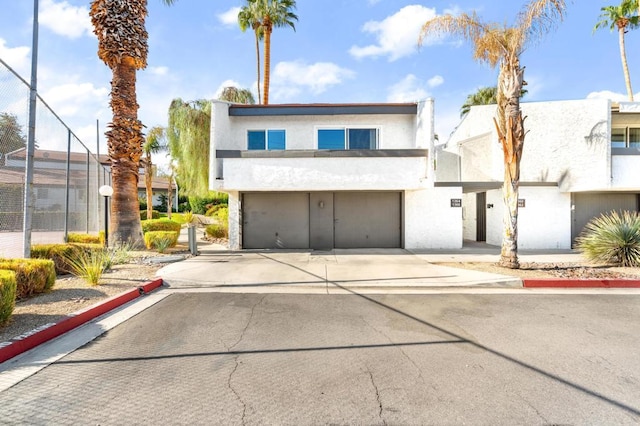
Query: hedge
217, 231
160, 225
32, 275
60, 253
155, 214
74, 237
7, 295
154, 239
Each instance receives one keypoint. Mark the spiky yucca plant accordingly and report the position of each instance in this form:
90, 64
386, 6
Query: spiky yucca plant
612, 238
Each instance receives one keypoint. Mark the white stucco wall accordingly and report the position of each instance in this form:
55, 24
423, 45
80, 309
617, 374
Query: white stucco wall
567, 142
321, 174
235, 220
430, 222
625, 172
544, 222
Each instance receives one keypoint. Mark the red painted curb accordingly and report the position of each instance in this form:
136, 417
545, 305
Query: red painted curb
576, 283
13, 348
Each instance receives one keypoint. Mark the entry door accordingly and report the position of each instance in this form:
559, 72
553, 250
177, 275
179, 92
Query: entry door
367, 219
481, 216
321, 220
276, 220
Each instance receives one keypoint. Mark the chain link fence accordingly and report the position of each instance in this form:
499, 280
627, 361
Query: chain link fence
66, 174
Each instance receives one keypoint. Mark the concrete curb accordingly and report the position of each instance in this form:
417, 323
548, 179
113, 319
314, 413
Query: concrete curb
43, 334
579, 283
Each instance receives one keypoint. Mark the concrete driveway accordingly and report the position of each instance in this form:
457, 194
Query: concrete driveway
336, 271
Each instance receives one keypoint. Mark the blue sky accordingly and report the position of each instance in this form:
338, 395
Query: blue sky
341, 51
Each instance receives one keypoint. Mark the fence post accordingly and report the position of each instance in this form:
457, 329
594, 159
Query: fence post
31, 141
66, 188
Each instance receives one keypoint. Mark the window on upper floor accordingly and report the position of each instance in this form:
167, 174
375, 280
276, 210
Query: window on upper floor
348, 138
266, 139
625, 137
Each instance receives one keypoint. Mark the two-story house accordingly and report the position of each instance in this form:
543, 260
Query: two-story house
581, 158
322, 176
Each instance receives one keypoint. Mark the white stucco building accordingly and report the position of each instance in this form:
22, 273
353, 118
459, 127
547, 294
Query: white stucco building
320, 176
581, 158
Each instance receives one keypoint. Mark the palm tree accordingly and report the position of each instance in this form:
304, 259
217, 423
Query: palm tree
273, 14
250, 17
153, 144
499, 44
122, 46
483, 96
621, 17
237, 96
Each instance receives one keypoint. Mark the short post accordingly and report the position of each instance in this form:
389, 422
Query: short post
106, 191
193, 243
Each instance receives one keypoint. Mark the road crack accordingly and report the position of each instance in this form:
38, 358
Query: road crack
375, 387
236, 359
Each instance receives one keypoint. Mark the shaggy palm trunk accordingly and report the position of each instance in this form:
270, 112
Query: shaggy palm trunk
148, 183
267, 65
169, 197
258, 62
125, 149
625, 66
511, 134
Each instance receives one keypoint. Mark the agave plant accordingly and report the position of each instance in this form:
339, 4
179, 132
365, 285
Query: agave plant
612, 238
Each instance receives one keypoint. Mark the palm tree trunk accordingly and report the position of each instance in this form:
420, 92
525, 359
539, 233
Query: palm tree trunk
625, 66
511, 136
148, 183
170, 197
267, 65
258, 64
125, 149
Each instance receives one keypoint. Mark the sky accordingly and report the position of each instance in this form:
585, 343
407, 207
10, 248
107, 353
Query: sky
342, 51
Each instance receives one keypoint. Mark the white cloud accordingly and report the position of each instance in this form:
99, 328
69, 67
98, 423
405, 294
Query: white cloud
289, 78
64, 19
435, 81
613, 96
409, 89
230, 17
397, 35
16, 57
161, 71
72, 98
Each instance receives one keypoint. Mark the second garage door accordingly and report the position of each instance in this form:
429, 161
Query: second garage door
322, 220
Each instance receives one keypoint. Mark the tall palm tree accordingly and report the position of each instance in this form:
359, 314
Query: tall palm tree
274, 14
122, 46
621, 17
153, 144
249, 17
498, 44
483, 96
237, 96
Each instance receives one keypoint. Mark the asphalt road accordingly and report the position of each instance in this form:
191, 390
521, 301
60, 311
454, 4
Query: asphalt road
215, 358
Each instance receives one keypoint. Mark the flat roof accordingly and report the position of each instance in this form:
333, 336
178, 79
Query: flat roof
240, 110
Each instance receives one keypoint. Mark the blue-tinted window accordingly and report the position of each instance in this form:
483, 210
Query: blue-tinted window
269, 139
257, 139
362, 138
331, 139
276, 139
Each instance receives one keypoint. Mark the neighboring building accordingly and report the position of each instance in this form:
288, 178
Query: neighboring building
324, 176
581, 158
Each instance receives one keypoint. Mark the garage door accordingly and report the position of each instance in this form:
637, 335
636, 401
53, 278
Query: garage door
588, 206
275, 220
367, 220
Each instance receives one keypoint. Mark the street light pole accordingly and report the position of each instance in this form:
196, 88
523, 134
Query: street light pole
106, 191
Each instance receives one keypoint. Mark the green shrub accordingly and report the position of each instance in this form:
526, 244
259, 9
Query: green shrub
160, 240
222, 215
217, 231
32, 275
90, 265
188, 218
160, 225
199, 205
612, 238
58, 253
74, 237
214, 209
155, 214
8, 287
